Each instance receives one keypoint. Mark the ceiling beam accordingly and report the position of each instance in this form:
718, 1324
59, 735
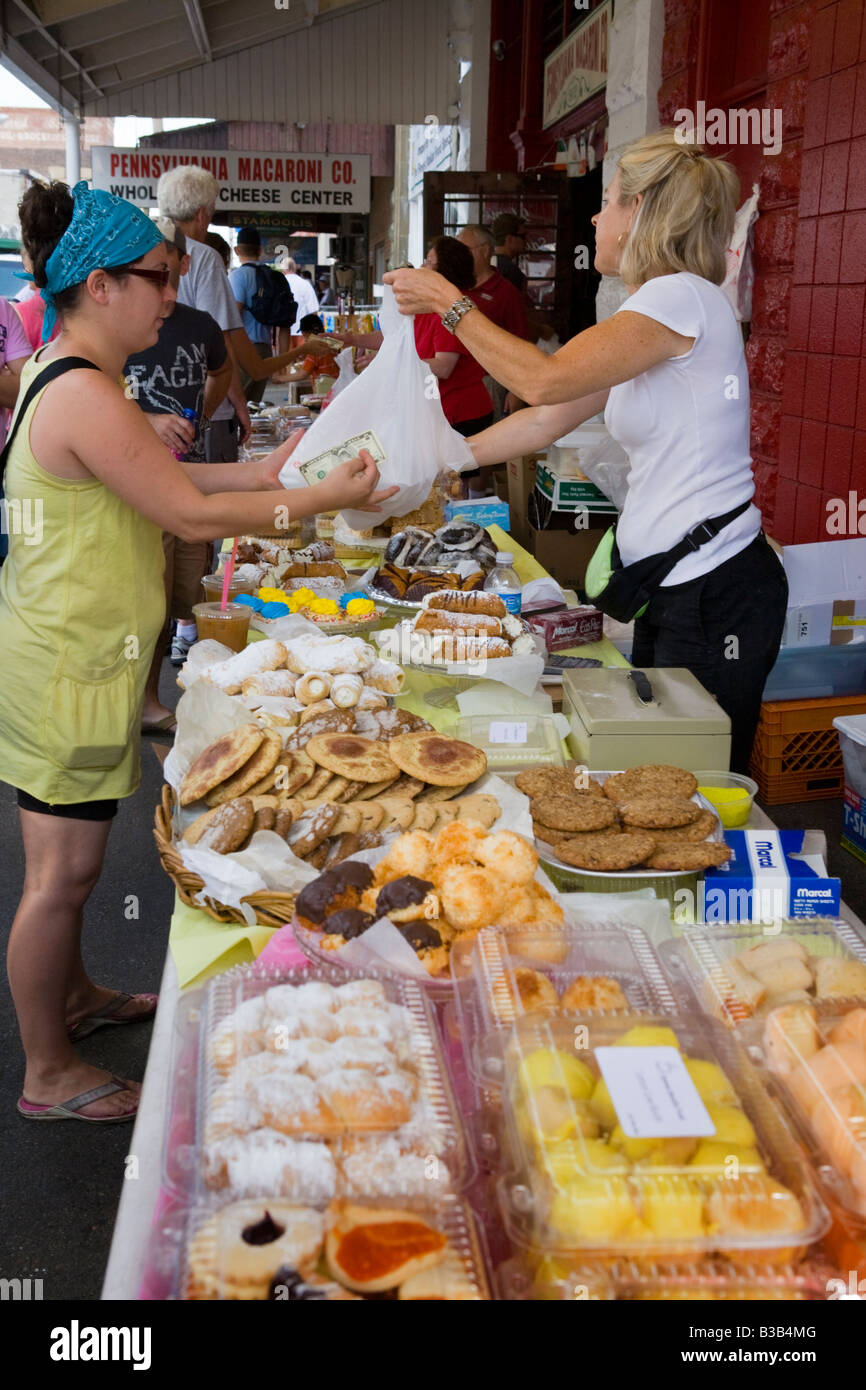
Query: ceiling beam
15, 59
34, 19
195, 19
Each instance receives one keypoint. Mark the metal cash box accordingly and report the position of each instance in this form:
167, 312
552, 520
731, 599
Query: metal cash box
621, 719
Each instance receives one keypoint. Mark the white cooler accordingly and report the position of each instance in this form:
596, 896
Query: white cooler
622, 718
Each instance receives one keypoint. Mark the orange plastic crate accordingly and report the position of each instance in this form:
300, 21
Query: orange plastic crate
796, 755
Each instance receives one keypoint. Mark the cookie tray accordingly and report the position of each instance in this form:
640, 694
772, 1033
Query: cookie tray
579, 1178
639, 1281
180, 1271
429, 1156
823, 1091
487, 999
699, 957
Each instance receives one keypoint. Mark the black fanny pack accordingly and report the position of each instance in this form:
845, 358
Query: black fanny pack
624, 591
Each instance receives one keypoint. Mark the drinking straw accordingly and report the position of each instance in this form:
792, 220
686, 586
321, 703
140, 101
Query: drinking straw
227, 576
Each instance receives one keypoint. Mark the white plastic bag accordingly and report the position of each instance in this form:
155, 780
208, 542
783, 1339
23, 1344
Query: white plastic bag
395, 397
346, 376
607, 465
739, 259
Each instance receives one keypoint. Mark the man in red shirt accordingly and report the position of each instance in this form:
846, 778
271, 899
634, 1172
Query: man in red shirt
498, 300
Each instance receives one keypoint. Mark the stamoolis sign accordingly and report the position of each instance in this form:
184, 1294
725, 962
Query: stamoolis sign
578, 67
248, 179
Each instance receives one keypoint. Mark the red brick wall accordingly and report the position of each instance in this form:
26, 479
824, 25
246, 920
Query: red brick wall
822, 451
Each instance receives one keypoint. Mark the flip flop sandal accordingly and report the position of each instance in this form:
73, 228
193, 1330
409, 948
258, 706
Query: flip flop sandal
104, 1017
69, 1109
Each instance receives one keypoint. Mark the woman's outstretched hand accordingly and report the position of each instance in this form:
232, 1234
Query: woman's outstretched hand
355, 485
421, 291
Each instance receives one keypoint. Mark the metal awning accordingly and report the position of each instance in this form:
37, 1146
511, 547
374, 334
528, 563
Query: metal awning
378, 61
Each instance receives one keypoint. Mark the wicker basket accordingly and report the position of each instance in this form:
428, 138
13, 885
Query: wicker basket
271, 909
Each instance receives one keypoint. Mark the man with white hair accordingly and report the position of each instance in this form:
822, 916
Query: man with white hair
187, 195
305, 295
498, 300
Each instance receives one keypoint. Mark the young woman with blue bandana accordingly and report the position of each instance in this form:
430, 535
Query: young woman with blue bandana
81, 605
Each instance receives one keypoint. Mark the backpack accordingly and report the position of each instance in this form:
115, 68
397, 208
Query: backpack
273, 303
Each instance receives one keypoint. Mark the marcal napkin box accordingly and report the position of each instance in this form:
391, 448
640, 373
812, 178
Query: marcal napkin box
621, 718
764, 881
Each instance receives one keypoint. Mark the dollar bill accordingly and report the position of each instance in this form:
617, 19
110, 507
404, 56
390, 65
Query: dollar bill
318, 468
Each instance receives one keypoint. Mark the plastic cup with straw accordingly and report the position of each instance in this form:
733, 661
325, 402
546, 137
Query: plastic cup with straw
226, 622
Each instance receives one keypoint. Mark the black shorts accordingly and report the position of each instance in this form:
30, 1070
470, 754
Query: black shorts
74, 810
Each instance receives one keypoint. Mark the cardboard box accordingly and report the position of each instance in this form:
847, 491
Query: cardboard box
520, 473
564, 552
768, 878
569, 494
486, 511
827, 593
566, 627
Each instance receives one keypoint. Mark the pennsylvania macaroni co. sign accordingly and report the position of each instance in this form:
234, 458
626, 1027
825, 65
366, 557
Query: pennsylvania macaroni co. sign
248, 179
578, 67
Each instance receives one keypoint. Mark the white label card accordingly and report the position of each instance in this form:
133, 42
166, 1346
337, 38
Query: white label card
502, 731
653, 1095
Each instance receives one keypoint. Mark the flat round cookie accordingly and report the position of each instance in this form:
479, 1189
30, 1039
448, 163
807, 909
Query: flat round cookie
406, 786
336, 721
607, 853
446, 762
219, 761
658, 812
651, 779
480, 807
311, 828
568, 812
687, 856
400, 809
223, 828
441, 793
703, 825
359, 759
254, 770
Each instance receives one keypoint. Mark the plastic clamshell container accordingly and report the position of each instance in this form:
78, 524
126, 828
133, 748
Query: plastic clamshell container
198, 1252
616, 964
816, 1055
748, 1196
263, 1124
513, 745
665, 883
735, 998
730, 794
555, 1279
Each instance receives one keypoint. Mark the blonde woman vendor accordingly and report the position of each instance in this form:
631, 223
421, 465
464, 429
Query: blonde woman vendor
81, 610
669, 372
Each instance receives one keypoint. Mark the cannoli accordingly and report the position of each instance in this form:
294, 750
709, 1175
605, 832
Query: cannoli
346, 690
314, 686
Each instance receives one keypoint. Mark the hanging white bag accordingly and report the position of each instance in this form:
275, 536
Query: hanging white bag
346, 375
397, 397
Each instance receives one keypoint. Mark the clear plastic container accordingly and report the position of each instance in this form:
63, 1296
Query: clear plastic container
696, 1161
553, 1279
513, 745
730, 794
298, 1252
817, 1057
788, 963
275, 1094
500, 976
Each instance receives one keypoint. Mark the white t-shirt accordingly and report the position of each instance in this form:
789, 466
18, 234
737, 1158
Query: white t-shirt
685, 427
206, 286
305, 298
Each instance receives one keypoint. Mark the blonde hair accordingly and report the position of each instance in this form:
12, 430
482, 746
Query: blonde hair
686, 215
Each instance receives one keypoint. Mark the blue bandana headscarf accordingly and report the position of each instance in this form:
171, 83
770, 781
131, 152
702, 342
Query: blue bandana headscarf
105, 231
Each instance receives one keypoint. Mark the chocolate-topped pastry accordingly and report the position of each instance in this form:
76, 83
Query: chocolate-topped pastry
349, 922
422, 936
262, 1232
353, 872
326, 894
401, 893
392, 580
460, 535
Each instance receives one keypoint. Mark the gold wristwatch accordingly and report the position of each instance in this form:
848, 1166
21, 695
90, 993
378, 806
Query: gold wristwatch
459, 309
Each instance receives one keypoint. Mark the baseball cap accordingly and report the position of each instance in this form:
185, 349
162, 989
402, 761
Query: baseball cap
249, 236
508, 224
171, 233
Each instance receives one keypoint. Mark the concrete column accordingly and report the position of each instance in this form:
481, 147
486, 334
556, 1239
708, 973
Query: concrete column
72, 128
633, 80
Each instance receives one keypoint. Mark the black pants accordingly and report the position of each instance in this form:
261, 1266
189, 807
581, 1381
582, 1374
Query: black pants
725, 627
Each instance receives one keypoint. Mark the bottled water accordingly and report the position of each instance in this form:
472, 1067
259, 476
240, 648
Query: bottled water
503, 581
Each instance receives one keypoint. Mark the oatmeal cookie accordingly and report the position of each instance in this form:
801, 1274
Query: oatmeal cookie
607, 853
569, 812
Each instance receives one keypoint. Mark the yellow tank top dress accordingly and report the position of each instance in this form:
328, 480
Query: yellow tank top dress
81, 606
